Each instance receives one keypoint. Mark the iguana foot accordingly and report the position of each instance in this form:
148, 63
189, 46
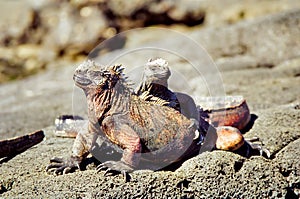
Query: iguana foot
116, 167
61, 166
257, 147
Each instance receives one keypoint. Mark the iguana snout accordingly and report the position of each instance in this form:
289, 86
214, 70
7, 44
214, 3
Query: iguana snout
88, 75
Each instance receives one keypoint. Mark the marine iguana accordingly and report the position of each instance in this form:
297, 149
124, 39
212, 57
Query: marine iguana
154, 89
226, 123
144, 131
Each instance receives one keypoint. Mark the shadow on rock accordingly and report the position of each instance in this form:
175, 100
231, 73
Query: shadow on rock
250, 124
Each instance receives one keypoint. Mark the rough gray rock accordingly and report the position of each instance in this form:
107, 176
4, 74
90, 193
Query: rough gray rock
267, 40
289, 166
33, 103
287, 129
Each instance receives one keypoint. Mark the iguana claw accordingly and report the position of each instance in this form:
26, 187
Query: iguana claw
258, 147
62, 166
115, 167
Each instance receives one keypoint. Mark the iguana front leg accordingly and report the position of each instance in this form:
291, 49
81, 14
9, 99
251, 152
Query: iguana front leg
128, 139
83, 143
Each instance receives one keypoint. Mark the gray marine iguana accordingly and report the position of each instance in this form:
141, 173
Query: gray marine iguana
144, 131
154, 88
224, 131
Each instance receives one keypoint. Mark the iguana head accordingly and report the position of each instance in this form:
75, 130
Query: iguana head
157, 71
90, 76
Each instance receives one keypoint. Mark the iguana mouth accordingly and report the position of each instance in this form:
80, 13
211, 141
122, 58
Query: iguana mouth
81, 81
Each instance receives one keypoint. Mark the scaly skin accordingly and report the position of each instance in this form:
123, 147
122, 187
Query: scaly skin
14, 146
155, 84
143, 130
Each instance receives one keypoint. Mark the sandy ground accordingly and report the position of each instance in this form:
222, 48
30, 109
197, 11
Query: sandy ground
257, 59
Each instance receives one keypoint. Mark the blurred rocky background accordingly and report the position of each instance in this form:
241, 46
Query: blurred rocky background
40, 34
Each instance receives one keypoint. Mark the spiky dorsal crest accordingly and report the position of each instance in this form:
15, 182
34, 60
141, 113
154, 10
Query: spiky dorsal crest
117, 70
116, 73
